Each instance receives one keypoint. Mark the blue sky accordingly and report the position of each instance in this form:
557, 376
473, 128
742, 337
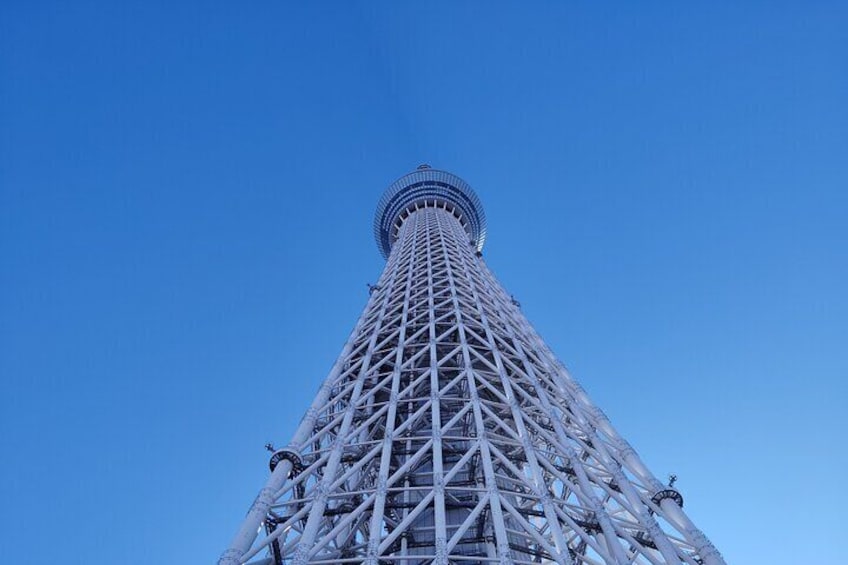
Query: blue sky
186, 198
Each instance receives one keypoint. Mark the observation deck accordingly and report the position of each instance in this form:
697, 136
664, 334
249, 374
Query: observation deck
428, 187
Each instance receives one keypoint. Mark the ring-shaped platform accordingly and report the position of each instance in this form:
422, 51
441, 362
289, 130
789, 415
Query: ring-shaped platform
425, 187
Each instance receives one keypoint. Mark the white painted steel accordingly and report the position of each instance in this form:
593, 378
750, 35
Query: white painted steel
447, 432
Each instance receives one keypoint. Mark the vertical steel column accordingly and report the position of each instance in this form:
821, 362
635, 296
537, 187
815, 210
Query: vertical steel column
529, 452
440, 533
376, 522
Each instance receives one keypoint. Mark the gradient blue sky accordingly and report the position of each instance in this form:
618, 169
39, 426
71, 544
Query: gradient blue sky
186, 198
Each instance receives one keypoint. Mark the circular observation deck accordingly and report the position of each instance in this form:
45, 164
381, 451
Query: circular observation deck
428, 187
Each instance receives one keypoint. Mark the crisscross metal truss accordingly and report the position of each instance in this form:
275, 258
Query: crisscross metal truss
447, 432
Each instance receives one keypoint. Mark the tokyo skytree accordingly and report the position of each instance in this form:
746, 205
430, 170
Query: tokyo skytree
448, 432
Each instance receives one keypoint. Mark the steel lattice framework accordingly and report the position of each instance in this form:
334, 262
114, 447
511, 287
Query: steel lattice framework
447, 431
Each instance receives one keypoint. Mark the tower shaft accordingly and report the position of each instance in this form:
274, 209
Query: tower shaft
447, 432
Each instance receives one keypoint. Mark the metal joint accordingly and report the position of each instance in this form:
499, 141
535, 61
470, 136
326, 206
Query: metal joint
668, 493
286, 454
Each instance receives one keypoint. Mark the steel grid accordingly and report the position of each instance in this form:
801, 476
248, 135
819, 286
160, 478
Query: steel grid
447, 432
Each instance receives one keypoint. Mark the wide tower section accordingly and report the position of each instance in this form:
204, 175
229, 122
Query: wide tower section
448, 432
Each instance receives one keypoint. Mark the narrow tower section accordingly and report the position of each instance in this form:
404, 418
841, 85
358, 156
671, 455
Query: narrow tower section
447, 431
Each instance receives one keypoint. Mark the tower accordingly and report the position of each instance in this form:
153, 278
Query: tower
447, 431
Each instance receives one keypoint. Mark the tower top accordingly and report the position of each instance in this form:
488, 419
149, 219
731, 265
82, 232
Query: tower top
426, 186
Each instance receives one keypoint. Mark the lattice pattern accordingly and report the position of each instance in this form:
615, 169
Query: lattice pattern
447, 432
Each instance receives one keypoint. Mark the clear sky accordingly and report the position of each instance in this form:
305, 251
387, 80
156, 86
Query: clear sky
186, 198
